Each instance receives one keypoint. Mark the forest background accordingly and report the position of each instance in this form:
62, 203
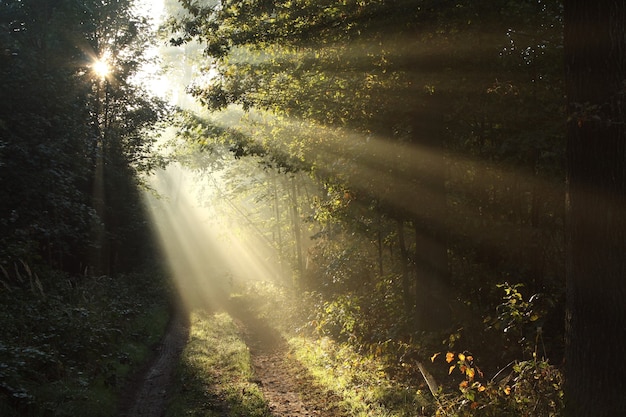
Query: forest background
405, 162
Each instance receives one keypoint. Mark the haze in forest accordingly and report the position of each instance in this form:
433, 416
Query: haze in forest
436, 187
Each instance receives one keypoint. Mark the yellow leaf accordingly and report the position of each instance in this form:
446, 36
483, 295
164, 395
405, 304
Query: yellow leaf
481, 388
432, 358
461, 357
507, 390
451, 369
449, 357
470, 373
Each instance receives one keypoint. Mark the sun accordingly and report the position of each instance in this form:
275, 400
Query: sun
101, 68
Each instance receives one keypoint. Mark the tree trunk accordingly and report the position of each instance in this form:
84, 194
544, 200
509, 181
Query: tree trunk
595, 59
379, 247
429, 215
297, 232
432, 286
278, 226
404, 265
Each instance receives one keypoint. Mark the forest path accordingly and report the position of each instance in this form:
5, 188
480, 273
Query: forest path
286, 385
147, 394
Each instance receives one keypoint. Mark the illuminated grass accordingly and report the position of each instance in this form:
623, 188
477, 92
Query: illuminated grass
214, 373
362, 382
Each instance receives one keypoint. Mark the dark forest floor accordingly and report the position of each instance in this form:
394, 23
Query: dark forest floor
147, 393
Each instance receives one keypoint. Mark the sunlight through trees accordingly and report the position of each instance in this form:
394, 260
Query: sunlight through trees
403, 175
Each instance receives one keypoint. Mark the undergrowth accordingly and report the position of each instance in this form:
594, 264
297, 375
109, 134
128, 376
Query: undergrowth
363, 382
396, 378
362, 379
215, 372
69, 344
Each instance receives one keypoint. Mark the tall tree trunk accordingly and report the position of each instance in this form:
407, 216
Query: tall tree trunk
429, 215
279, 234
379, 247
297, 231
595, 58
405, 268
431, 280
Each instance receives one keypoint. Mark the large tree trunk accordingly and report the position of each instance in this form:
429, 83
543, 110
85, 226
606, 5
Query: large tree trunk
297, 230
429, 215
595, 54
405, 268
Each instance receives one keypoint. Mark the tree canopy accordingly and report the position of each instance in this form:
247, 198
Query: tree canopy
55, 109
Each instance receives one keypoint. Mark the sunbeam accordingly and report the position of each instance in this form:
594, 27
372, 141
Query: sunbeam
407, 176
208, 249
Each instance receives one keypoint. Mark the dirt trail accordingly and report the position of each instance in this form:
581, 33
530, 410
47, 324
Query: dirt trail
286, 385
148, 394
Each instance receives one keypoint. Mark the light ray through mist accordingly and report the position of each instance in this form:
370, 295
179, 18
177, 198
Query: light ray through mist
209, 254
401, 175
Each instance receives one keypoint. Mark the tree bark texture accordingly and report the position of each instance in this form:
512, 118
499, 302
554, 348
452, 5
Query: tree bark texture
595, 61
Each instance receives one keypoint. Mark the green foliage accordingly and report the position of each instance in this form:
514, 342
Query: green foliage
340, 318
521, 320
525, 388
55, 115
435, 118
69, 343
521, 388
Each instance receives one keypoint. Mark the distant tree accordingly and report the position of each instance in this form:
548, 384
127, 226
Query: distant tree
595, 49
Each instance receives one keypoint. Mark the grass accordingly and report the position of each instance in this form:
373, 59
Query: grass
214, 374
362, 381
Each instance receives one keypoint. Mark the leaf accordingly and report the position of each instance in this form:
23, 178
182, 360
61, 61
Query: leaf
507, 390
461, 357
449, 357
451, 369
432, 358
